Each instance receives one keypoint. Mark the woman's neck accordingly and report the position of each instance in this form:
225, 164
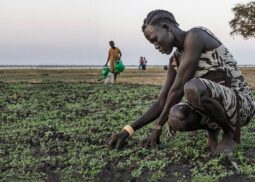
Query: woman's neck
180, 38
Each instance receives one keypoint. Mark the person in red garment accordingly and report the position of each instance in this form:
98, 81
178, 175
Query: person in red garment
203, 71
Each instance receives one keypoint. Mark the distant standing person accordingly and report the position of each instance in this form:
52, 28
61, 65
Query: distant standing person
144, 63
113, 55
141, 63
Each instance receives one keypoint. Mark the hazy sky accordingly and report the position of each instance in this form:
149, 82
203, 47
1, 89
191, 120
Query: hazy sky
78, 31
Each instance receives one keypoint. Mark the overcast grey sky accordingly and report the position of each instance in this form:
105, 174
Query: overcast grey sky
78, 31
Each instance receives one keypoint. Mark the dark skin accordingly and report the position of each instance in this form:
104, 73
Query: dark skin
112, 46
192, 43
183, 118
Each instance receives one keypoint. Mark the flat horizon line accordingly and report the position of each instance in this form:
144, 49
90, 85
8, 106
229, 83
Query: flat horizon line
67, 65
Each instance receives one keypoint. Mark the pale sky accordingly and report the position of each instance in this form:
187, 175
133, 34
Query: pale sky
77, 32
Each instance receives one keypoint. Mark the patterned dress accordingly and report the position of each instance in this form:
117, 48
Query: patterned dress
219, 72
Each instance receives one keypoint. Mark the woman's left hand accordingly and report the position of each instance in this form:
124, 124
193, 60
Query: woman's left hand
153, 139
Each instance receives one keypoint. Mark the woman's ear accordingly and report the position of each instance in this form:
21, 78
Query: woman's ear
165, 26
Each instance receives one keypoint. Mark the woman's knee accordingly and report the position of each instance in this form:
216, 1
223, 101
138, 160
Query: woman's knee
176, 117
195, 91
183, 118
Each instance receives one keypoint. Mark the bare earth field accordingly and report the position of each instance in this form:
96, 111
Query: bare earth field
151, 76
54, 124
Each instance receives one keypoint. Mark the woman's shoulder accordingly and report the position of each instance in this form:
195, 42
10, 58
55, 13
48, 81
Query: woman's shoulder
202, 31
199, 29
194, 32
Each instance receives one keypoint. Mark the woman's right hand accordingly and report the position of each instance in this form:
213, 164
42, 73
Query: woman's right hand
118, 140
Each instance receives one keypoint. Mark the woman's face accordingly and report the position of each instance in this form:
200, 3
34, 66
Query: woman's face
162, 40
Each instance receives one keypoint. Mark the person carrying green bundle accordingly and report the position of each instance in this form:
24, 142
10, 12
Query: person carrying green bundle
113, 55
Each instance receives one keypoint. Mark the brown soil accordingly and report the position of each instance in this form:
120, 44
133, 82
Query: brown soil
151, 76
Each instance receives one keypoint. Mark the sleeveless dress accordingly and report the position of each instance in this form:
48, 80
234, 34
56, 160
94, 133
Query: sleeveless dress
113, 57
219, 72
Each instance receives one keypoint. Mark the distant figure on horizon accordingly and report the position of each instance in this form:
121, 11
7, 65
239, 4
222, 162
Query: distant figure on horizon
141, 61
114, 54
144, 63
202, 70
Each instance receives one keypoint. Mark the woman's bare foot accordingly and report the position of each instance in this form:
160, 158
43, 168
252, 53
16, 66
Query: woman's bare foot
227, 145
212, 140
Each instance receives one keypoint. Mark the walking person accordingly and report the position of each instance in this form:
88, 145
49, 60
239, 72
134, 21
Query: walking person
114, 54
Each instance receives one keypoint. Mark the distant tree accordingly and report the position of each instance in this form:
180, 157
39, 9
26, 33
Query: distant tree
244, 20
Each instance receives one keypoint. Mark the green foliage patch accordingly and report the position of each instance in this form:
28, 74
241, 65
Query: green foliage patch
58, 131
